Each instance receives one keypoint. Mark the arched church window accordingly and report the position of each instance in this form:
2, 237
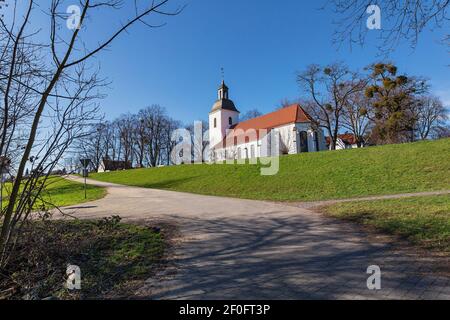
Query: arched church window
215, 123
230, 121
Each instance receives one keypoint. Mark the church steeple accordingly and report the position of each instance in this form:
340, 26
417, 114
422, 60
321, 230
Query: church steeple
223, 102
222, 117
223, 91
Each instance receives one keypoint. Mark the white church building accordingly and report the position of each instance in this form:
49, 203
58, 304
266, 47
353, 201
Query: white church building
230, 139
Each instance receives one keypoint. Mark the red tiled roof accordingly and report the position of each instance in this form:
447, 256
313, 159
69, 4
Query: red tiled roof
347, 138
291, 114
288, 115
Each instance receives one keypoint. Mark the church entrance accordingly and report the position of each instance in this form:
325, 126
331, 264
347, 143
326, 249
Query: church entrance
304, 141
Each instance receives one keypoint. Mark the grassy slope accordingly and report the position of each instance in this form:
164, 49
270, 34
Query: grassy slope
423, 220
61, 192
422, 166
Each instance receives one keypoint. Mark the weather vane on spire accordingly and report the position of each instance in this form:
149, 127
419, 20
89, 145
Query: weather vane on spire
223, 74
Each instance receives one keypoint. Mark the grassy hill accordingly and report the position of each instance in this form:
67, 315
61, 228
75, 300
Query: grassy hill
415, 167
60, 192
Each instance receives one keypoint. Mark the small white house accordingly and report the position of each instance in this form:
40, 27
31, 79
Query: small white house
231, 139
344, 141
107, 165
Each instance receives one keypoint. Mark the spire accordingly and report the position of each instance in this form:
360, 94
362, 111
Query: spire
223, 102
223, 89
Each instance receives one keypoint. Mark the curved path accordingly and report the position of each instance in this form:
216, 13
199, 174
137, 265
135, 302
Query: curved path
246, 249
315, 204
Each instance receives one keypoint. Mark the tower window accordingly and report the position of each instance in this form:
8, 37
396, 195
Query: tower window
230, 121
215, 123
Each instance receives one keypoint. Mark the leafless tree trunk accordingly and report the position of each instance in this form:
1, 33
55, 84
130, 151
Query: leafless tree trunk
429, 114
63, 89
125, 127
155, 119
356, 115
94, 145
169, 144
328, 90
199, 144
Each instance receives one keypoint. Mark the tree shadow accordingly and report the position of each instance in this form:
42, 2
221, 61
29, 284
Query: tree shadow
286, 258
81, 207
168, 183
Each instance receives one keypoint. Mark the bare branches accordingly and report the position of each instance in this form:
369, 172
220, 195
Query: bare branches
143, 139
356, 116
154, 8
328, 91
402, 20
50, 99
430, 116
378, 107
12, 66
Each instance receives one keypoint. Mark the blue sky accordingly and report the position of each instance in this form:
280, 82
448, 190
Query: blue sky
260, 44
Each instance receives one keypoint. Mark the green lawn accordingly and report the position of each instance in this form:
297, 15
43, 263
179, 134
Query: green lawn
60, 192
422, 220
422, 166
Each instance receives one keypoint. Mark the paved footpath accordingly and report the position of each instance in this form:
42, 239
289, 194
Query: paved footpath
245, 249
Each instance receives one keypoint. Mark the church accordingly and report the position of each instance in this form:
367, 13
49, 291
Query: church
230, 139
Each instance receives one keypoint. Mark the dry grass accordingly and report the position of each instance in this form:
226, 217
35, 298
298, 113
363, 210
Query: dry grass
114, 258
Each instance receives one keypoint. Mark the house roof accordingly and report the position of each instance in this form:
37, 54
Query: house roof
292, 114
347, 138
111, 165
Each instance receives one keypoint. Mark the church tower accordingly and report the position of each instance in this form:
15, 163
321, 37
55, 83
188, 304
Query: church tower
223, 116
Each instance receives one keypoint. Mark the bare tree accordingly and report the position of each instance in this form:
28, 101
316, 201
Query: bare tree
92, 146
250, 114
328, 91
140, 133
284, 103
155, 120
356, 116
199, 144
142, 139
126, 127
63, 89
441, 132
402, 20
170, 126
430, 114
